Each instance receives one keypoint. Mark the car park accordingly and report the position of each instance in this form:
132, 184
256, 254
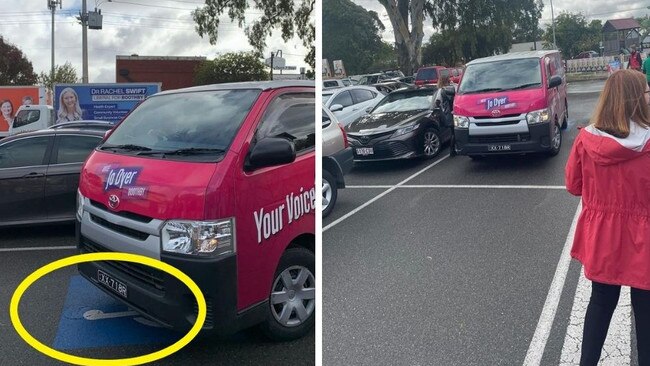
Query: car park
351, 102
429, 75
405, 124
39, 173
337, 160
511, 104
223, 191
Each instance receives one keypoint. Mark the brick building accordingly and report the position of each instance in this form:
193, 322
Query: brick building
172, 72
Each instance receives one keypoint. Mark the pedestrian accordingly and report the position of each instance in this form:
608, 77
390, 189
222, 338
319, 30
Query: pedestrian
608, 167
635, 59
646, 69
445, 102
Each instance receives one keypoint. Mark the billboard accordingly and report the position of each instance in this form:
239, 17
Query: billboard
12, 97
103, 102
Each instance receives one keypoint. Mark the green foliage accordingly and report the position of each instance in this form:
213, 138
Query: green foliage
63, 74
291, 17
385, 59
231, 68
351, 34
471, 29
15, 68
574, 34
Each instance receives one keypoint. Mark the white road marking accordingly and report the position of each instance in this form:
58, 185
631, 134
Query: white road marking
460, 186
392, 188
543, 330
617, 349
27, 249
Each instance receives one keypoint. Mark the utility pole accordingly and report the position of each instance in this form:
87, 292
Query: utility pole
553, 21
84, 42
272, 55
51, 4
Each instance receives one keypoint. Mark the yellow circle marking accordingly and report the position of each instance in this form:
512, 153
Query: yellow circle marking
113, 256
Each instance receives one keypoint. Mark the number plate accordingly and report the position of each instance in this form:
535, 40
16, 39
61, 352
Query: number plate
499, 147
365, 151
108, 281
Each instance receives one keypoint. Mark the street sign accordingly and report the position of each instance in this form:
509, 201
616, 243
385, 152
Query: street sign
277, 62
284, 67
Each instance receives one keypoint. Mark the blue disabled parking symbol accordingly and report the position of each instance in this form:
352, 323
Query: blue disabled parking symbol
91, 319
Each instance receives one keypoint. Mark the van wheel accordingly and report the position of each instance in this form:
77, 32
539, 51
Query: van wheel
329, 193
431, 143
556, 140
293, 297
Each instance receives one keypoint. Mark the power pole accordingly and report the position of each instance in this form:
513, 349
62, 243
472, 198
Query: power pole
84, 41
272, 55
553, 21
51, 4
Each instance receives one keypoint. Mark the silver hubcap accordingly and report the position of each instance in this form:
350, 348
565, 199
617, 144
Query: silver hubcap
557, 138
327, 194
431, 143
294, 296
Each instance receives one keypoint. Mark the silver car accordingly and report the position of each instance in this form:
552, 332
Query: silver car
352, 102
337, 160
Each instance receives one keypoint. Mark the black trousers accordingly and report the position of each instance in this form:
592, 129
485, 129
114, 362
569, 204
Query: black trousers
599, 314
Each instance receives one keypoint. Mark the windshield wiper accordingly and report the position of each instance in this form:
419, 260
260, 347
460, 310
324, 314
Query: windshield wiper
523, 86
483, 90
187, 151
130, 147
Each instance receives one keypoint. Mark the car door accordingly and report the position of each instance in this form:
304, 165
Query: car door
344, 98
23, 165
363, 99
62, 179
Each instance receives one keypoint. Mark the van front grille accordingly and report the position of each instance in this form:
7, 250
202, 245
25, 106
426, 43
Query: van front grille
135, 234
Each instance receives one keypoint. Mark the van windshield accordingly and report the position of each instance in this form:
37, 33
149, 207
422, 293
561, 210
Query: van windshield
501, 75
183, 126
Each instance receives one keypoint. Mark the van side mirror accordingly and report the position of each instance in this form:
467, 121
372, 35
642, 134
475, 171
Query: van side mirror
336, 108
271, 151
555, 81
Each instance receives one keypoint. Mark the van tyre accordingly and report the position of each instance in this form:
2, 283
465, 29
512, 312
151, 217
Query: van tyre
329, 193
290, 312
431, 143
556, 140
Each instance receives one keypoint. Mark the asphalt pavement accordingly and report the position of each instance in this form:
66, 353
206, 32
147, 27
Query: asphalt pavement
459, 262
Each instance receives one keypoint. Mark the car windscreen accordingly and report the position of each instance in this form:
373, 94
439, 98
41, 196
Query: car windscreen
405, 101
427, 74
501, 75
183, 126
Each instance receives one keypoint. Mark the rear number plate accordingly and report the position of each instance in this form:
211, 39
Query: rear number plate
365, 151
108, 281
499, 147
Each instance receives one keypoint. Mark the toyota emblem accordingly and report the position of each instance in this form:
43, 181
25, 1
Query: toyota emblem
496, 113
364, 139
113, 201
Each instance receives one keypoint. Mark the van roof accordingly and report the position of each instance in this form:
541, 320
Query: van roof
261, 85
514, 56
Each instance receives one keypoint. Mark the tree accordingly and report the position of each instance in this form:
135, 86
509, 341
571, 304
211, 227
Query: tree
291, 17
385, 59
573, 34
351, 34
15, 68
63, 74
230, 68
408, 40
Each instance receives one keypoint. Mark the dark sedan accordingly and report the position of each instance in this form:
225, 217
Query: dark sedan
407, 123
39, 172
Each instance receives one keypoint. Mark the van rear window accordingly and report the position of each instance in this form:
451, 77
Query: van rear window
427, 74
25, 117
206, 120
502, 75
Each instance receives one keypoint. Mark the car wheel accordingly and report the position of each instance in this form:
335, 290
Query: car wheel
556, 140
293, 297
329, 193
431, 143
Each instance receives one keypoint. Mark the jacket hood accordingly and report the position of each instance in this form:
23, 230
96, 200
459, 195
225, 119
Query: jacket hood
606, 149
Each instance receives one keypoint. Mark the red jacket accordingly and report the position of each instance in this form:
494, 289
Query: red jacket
612, 175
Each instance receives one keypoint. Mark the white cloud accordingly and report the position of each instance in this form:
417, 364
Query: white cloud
161, 28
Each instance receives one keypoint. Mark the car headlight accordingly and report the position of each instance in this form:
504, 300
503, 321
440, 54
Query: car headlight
406, 129
461, 122
538, 116
80, 205
200, 238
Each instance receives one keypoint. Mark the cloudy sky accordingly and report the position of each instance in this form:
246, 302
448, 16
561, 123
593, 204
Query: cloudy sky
143, 27
592, 9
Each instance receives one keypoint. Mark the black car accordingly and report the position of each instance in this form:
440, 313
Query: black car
407, 123
39, 172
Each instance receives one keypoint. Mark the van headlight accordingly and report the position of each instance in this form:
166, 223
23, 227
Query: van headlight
461, 122
80, 205
407, 129
538, 116
200, 238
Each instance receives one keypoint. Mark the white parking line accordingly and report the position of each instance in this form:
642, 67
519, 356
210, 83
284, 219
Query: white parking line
27, 249
543, 330
460, 186
392, 188
617, 350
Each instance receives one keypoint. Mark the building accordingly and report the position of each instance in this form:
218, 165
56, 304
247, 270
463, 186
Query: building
619, 34
173, 72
